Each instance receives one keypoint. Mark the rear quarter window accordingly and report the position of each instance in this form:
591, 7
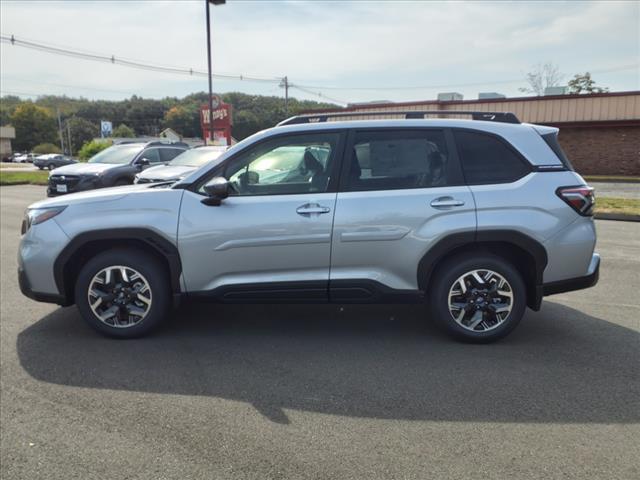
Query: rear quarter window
487, 159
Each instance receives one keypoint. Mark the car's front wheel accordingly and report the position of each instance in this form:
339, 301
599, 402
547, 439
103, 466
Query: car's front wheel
478, 297
123, 293
51, 166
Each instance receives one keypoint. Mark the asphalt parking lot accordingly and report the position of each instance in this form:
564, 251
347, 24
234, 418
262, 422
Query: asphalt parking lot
298, 392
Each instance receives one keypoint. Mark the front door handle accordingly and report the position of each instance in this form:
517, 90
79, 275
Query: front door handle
312, 208
446, 202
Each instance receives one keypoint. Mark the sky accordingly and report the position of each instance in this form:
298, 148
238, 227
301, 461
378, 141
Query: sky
334, 50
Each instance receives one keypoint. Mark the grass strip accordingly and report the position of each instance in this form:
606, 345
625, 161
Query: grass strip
24, 178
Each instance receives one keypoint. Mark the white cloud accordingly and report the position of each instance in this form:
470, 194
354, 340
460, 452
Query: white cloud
326, 43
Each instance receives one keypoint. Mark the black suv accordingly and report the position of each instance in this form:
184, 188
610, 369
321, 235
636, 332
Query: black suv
114, 166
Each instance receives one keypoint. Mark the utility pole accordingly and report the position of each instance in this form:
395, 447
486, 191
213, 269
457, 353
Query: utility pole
69, 138
285, 84
60, 130
215, 2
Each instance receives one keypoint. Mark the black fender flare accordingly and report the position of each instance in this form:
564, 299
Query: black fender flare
155, 241
479, 238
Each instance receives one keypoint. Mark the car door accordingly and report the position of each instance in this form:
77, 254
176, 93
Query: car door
153, 157
401, 191
271, 238
168, 154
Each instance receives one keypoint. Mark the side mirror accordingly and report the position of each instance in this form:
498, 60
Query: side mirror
142, 162
217, 190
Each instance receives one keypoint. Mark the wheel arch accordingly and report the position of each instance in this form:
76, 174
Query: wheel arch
86, 245
527, 254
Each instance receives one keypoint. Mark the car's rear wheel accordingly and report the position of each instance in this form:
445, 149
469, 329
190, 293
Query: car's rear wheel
123, 293
478, 297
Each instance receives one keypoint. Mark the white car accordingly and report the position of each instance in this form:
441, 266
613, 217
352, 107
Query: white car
181, 166
25, 158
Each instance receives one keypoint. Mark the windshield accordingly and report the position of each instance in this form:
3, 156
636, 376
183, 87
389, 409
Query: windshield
116, 154
196, 157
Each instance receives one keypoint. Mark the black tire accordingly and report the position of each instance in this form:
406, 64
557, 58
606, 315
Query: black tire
51, 166
155, 276
41, 168
121, 182
443, 279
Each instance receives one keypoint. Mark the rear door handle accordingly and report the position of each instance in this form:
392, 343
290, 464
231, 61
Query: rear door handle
312, 208
446, 202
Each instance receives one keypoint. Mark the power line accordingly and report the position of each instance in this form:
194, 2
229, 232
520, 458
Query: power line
318, 94
78, 87
129, 63
455, 85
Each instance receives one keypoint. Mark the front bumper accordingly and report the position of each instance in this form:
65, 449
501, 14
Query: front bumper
578, 283
27, 291
74, 184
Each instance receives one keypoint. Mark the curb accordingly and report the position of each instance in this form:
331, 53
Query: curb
617, 216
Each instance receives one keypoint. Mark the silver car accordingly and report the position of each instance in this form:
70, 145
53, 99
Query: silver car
181, 166
477, 218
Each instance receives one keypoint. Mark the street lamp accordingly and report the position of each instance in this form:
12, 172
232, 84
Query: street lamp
207, 2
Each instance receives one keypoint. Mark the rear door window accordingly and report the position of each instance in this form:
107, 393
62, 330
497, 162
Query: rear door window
151, 154
398, 159
486, 159
168, 154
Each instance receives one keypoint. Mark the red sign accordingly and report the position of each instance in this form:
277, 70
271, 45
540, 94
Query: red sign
220, 132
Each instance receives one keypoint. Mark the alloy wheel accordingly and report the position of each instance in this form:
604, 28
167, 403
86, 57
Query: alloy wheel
480, 300
119, 296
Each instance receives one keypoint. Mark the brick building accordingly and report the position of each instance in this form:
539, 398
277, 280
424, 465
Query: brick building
600, 133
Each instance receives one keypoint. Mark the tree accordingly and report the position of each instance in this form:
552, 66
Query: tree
542, 76
123, 131
185, 120
46, 148
82, 131
33, 125
582, 83
89, 149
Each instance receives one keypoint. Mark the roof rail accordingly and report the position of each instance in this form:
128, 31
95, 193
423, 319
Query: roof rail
504, 117
167, 143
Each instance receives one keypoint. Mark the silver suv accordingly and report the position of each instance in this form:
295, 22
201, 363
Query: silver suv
477, 218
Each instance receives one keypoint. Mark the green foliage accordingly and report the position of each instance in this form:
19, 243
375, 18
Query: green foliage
185, 120
34, 125
123, 131
582, 83
46, 148
82, 131
148, 117
89, 149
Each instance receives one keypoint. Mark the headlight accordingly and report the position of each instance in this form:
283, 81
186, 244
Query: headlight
34, 216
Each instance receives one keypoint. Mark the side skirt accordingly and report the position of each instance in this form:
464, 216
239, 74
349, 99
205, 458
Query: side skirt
336, 291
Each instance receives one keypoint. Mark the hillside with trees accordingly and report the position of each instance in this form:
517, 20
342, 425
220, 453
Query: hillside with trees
36, 120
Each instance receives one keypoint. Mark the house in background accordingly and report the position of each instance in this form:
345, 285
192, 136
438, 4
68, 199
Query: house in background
7, 133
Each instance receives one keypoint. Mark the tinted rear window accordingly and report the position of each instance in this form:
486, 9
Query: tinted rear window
551, 139
487, 159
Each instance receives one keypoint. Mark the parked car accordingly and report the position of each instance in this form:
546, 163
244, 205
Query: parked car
178, 168
114, 166
25, 157
479, 219
52, 160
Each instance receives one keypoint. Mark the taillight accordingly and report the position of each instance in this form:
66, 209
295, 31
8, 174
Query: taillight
582, 199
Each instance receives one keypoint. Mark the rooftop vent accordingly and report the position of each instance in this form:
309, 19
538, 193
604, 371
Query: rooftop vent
449, 96
556, 90
488, 95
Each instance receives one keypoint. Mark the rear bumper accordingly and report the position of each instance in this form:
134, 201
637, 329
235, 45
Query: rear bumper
577, 283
